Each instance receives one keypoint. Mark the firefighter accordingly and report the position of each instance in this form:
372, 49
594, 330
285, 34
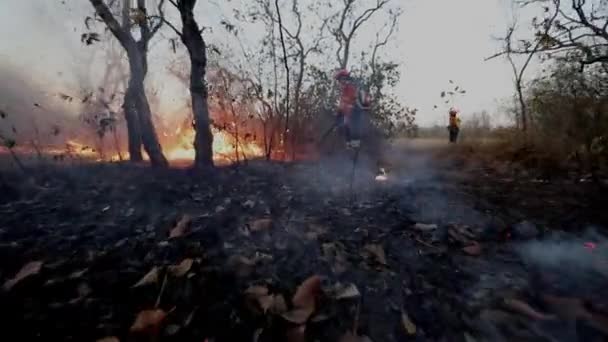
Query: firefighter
354, 103
454, 125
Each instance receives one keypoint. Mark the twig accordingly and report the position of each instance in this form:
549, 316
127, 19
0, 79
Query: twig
352, 174
162, 289
427, 244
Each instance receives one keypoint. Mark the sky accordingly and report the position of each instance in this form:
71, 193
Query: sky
437, 41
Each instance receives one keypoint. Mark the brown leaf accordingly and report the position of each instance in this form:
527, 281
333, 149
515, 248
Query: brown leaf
525, 309
150, 278
350, 337
474, 249
307, 293
261, 224
567, 307
298, 315
279, 305
266, 302
378, 252
148, 321
346, 292
29, 269
408, 325
257, 291
181, 228
181, 269
109, 339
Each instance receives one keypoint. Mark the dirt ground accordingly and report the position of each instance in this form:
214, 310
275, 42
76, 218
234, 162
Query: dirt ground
440, 248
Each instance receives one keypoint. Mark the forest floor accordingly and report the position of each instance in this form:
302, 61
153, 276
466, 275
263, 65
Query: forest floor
445, 248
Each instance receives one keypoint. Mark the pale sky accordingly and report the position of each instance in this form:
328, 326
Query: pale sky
437, 41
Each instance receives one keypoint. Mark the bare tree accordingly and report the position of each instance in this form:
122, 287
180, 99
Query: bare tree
137, 107
343, 28
191, 36
518, 72
574, 30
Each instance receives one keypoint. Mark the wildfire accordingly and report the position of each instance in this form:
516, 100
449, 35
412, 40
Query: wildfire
224, 147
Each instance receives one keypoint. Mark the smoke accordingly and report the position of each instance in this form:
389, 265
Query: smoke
30, 111
574, 265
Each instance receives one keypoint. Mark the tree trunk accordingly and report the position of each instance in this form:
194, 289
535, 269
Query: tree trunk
523, 109
137, 94
133, 131
192, 38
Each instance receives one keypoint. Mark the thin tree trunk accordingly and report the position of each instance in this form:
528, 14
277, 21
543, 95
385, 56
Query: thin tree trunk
133, 131
192, 38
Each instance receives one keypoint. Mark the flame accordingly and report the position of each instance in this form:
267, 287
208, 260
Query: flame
224, 147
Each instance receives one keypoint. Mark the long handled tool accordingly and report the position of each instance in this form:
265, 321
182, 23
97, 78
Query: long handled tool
352, 174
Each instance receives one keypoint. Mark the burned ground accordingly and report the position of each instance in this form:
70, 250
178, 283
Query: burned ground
437, 252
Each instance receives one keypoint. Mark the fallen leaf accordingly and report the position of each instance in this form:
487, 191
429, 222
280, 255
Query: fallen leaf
181, 228
148, 321
261, 224
425, 227
298, 316
408, 325
29, 269
266, 302
257, 291
249, 204
109, 339
150, 278
256, 334
181, 269
474, 249
566, 307
78, 274
307, 293
347, 292
279, 305
525, 309
378, 252
350, 337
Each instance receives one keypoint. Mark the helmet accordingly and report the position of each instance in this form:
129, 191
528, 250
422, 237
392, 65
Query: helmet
342, 73
454, 111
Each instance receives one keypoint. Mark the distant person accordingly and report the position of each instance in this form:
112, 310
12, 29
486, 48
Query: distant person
454, 126
354, 102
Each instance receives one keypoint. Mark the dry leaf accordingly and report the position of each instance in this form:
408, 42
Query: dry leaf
261, 224
149, 321
150, 278
307, 293
266, 302
474, 249
279, 305
347, 292
566, 307
109, 339
181, 269
257, 291
378, 252
181, 228
408, 325
29, 269
257, 334
525, 309
350, 337
298, 316
425, 227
